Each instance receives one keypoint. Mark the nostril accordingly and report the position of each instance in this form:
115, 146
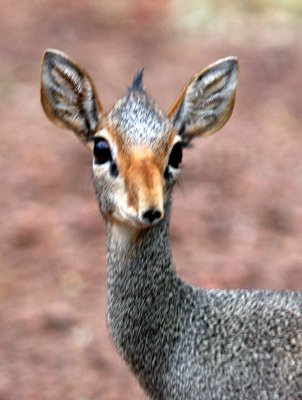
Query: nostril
151, 215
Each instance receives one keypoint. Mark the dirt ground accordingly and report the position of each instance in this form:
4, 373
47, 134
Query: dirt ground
237, 211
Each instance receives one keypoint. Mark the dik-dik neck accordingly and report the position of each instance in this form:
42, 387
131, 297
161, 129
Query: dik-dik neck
144, 294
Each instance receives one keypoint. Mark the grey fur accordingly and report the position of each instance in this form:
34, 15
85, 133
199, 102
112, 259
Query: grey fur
138, 119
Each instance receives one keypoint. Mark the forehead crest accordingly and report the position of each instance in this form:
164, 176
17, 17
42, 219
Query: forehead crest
137, 117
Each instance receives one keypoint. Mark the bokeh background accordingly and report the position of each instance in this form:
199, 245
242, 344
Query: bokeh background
237, 213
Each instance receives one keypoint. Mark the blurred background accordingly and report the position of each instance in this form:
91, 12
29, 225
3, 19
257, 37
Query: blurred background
237, 212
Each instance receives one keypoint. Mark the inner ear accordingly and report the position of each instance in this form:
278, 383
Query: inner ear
207, 101
68, 96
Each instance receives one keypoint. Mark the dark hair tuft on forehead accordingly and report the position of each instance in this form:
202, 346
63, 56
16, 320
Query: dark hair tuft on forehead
137, 84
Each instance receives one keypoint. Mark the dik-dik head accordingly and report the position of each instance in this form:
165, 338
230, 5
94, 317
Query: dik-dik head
136, 147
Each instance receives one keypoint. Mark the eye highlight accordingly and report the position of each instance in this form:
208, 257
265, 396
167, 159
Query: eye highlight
175, 155
101, 151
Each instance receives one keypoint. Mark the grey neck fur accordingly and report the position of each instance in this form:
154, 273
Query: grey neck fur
144, 297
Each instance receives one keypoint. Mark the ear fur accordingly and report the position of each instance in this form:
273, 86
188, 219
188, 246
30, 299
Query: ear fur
207, 101
68, 96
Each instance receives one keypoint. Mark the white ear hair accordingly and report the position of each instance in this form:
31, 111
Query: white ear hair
207, 101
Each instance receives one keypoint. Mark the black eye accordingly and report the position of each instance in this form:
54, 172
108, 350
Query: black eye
101, 151
176, 155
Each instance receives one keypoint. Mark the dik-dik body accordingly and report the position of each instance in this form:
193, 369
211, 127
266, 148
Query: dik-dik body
181, 342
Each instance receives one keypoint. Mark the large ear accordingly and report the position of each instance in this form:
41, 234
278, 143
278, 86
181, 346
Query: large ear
206, 103
68, 96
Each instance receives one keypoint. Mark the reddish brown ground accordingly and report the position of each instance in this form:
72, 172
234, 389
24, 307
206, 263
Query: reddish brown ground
237, 216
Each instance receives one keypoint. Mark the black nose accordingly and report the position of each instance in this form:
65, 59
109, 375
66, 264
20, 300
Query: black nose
151, 215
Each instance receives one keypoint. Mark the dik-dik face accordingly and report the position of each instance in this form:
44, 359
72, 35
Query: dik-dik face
136, 147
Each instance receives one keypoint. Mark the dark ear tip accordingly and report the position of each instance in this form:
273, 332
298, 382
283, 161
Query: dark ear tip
234, 61
51, 54
229, 62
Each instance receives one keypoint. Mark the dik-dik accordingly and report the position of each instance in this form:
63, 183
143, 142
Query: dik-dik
181, 342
